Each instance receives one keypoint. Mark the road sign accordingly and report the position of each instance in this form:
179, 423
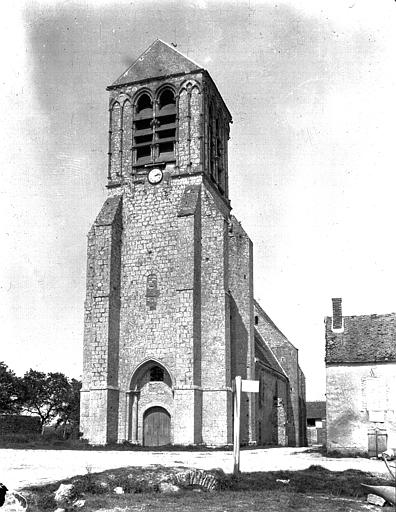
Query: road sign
248, 386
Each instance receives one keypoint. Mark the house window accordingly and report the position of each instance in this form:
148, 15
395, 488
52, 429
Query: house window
156, 374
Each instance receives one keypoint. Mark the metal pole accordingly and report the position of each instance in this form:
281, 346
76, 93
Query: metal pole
237, 422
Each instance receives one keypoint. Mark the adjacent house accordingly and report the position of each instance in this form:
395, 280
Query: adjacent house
316, 422
360, 382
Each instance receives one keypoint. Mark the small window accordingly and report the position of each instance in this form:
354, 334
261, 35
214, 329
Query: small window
156, 374
256, 320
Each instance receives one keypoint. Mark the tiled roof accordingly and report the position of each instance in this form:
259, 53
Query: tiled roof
271, 323
365, 339
316, 409
160, 59
265, 354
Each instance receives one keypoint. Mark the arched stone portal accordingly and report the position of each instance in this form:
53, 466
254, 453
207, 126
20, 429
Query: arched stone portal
150, 405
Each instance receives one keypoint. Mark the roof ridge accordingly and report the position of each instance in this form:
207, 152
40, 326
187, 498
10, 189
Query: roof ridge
259, 338
179, 52
367, 315
272, 322
160, 59
137, 59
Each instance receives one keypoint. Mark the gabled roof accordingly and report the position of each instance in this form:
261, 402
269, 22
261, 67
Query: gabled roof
365, 339
271, 323
265, 354
160, 59
316, 409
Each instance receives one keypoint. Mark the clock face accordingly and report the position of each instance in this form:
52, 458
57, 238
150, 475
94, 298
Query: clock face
155, 176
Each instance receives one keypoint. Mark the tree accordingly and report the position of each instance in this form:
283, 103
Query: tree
69, 412
10, 386
44, 395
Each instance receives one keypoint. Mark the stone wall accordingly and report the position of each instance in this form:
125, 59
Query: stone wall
242, 321
175, 236
16, 424
99, 394
360, 399
287, 355
272, 407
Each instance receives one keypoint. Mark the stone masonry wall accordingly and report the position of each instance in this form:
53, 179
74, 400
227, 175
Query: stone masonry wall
272, 407
215, 327
287, 356
242, 328
359, 399
302, 408
178, 331
99, 404
151, 246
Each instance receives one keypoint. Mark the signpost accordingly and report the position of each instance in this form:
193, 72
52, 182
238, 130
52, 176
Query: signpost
247, 386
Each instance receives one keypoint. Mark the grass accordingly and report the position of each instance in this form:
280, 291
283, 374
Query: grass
54, 441
315, 488
250, 501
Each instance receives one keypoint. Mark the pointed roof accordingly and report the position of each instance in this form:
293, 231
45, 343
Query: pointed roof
160, 59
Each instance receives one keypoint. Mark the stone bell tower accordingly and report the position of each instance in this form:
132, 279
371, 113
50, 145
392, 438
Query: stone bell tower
157, 344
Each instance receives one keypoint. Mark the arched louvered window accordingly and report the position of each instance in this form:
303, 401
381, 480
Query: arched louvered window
212, 145
155, 131
216, 150
166, 126
143, 134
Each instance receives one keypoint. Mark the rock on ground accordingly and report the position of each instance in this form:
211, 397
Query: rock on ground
65, 494
14, 502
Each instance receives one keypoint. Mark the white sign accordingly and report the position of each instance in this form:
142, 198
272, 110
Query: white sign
250, 386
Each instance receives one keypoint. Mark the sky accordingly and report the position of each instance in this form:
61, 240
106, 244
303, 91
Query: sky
311, 88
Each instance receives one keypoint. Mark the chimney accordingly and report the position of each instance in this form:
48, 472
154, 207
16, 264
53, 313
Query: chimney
337, 313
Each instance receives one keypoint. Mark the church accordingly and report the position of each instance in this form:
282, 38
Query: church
170, 317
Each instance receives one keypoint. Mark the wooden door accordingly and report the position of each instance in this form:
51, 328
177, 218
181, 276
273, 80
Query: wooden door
377, 442
156, 427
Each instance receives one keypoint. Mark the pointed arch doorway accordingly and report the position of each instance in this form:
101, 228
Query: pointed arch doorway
150, 405
156, 427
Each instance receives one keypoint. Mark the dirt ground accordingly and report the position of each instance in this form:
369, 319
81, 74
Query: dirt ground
20, 468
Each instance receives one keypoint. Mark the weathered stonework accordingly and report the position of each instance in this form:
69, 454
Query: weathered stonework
169, 316
286, 356
360, 382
